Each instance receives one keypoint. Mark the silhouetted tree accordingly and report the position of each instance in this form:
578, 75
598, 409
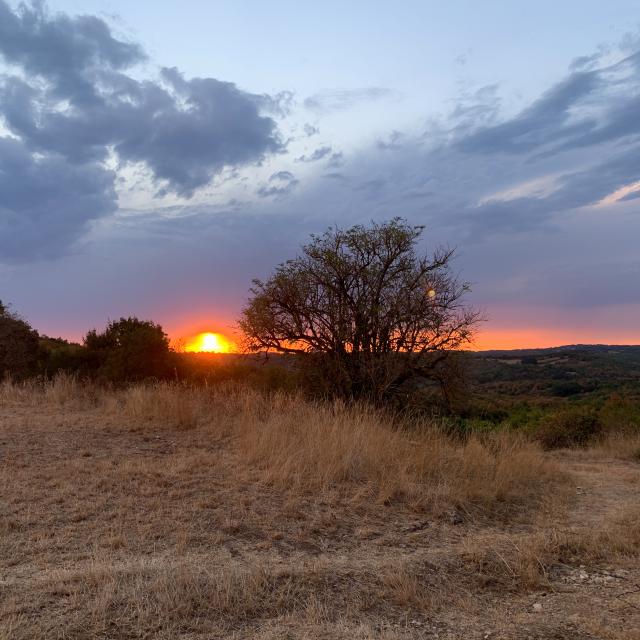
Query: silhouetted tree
364, 308
19, 346
130, 349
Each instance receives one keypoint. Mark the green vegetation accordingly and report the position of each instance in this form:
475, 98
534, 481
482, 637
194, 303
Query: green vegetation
588, 390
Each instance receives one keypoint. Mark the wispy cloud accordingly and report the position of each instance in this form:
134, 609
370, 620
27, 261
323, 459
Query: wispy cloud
340, 99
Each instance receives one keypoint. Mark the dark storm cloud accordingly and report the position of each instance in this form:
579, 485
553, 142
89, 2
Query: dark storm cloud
339, 99
73, 102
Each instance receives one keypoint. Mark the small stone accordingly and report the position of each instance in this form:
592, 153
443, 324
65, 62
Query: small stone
537, 607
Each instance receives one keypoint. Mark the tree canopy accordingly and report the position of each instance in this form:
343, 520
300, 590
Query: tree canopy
130, 349
365, 302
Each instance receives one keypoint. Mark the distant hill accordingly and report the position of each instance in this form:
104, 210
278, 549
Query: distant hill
591, 348
578, 370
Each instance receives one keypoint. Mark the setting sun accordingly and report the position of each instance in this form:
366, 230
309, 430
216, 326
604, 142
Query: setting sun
209, 343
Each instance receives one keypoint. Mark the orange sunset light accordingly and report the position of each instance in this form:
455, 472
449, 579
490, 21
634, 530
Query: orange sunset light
209, 343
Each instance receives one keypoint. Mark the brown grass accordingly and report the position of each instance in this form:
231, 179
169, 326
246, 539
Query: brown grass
622, 445
163, 511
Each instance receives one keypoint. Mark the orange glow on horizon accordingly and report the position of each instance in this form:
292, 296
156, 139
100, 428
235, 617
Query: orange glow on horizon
209, 342
535, 338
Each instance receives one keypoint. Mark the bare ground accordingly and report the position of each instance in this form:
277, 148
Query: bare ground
115, 526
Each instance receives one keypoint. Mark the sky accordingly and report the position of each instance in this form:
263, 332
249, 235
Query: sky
156, 157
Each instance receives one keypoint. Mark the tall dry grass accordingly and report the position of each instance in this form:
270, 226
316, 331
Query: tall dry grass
303, 446
318, 447
62, 390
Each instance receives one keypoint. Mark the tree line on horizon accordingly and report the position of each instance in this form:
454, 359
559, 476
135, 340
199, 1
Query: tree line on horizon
359, 309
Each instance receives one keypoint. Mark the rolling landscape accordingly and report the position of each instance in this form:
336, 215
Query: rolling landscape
319, 320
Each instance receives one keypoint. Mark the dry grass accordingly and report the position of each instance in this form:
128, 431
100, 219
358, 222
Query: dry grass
617, 540
307, 447
167, 512
163, 599
622, 445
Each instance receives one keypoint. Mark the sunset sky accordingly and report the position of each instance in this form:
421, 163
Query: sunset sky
157, 156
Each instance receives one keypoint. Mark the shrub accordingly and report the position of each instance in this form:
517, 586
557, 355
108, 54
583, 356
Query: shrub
570, 428
19, 346
130, 350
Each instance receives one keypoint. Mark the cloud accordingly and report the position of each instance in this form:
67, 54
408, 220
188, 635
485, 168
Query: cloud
34, 192
281, 175
318, 154
393, 141
280, 184
575, 145
547, 120
73, 101
65, 51
336, 160
591, 105
219, 126
340, 99
310, 130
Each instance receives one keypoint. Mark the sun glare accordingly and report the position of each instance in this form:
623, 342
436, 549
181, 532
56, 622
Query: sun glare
209, 343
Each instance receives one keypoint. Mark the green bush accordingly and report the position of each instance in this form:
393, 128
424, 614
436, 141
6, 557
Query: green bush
570, 428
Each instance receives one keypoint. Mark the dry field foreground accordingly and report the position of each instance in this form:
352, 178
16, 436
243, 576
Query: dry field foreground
170, 513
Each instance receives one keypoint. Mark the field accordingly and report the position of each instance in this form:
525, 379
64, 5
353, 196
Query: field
163, 511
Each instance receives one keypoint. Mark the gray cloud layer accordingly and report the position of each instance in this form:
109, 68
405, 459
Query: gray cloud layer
72, 105
511, 191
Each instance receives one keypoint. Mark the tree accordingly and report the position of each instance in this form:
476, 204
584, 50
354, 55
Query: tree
19, 346
364, 308
130, 349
